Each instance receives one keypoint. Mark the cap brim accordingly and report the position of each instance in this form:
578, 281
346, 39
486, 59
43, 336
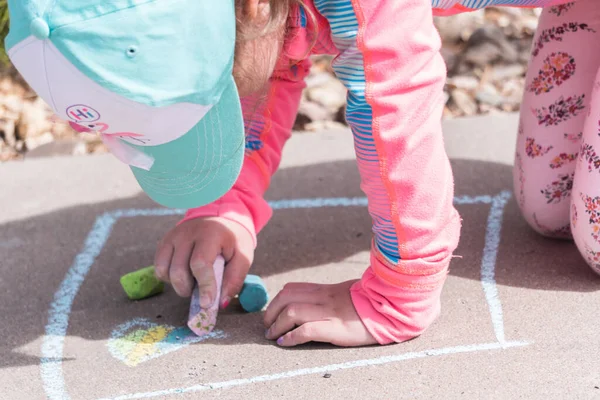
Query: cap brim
202, 165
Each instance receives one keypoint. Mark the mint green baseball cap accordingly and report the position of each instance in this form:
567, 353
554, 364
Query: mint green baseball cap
152, 77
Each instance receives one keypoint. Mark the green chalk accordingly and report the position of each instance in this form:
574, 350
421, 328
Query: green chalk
141, 284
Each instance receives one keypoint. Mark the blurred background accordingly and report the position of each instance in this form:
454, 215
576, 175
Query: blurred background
486, 53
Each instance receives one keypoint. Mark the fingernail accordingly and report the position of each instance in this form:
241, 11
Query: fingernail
205, 301
226, 301
280, 341
267, 333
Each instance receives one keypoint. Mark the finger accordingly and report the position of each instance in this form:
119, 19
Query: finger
291, 293
316, 331
295, 315
201, 264
179, 271
233, 278
162, 261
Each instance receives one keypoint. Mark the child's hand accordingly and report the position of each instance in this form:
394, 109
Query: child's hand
189, 251
304, 312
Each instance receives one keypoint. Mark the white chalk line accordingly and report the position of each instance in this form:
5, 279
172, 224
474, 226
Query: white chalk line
488, 262
322, 369
58, 314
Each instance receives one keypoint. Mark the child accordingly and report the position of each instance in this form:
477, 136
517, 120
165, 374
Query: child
155, 80
394, 110
557, 169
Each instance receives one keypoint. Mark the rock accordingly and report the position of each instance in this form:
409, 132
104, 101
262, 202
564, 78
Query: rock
514, 22
318, 79
308, 112
8, 132
321, 63
463, 82
485, 108
481, 55
301, 122
502, 72
464, 102
514, 89
37, 141
12, 87
6, 86
61, 129
447, 113
503, 21
11, 105
96, 147
450, 57
459, 26
34, 119
331, 94
65, 147
340, 116
8, 154
488, 45
20, 146
489, 94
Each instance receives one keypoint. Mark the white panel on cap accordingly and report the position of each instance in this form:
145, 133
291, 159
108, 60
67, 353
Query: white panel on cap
79, 99
28, 58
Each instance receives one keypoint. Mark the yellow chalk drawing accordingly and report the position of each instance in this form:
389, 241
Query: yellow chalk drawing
140, 340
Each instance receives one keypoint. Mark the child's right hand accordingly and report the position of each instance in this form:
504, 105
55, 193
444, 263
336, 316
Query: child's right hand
189, 250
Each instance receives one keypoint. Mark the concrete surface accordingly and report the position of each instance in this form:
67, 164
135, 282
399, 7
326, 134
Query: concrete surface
70, 227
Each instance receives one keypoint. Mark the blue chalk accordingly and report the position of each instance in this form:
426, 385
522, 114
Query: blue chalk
253, 296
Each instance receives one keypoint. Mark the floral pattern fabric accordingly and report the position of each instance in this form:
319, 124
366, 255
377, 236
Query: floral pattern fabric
557, 164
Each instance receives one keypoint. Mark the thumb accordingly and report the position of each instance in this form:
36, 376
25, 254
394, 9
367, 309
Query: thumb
233, 278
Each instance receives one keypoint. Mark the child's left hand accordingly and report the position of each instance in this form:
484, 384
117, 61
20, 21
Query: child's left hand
305, 312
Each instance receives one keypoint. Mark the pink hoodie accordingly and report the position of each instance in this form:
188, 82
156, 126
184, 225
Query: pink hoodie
388, 57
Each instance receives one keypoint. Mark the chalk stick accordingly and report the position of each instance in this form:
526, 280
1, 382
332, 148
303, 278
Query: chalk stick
141, 284
202, 321
253, 296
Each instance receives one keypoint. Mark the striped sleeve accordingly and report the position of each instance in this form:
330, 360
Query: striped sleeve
390, 62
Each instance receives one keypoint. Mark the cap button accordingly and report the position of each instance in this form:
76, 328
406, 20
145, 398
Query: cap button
40, 29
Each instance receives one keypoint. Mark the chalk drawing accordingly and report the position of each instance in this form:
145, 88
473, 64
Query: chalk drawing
140, 340
58, 315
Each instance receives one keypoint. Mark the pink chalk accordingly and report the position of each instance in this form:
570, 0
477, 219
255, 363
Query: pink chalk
202, 321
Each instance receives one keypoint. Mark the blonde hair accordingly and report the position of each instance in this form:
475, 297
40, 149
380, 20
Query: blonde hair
279, 11
249, 75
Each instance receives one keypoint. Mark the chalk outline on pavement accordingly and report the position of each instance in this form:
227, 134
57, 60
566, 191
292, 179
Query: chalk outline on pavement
173, 339
58, 314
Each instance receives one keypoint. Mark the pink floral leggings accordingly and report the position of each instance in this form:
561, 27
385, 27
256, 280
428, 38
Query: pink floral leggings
557, 162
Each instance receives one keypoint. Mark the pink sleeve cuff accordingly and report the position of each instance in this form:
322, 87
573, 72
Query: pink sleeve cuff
243, 204
225, 208
396, 306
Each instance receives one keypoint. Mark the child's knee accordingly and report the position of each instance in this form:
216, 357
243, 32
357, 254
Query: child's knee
548, 225
585, 225
591, 254
549, 220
